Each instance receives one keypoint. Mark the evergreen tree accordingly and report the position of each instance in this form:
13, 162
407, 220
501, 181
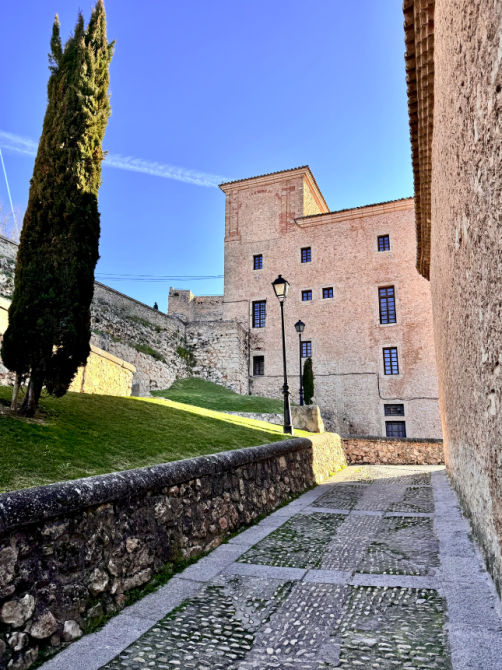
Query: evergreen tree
49, 318
308, 381
155, 306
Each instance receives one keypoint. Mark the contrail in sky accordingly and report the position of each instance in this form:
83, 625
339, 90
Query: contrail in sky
27, 146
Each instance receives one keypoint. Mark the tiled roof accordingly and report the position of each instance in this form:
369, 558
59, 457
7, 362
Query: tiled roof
419, 58
350, 209
236, 181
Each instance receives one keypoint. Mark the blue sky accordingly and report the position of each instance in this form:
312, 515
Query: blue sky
210, 90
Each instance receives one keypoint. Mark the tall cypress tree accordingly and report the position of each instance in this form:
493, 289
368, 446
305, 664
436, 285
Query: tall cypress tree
49, 318
308, 381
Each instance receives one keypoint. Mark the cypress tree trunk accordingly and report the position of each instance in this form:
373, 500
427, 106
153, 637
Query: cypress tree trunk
49, 318
308, 381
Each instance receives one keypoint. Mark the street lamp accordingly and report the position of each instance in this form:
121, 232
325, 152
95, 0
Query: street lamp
281, 287
300, 327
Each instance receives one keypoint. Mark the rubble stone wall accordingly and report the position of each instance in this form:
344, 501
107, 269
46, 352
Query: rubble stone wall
392, 451
104, 374
70, 552
466, 260
189, 307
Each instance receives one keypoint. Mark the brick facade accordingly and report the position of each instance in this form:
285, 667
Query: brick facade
276, 216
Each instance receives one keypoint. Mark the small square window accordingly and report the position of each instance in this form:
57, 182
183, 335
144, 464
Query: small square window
394, 410
383, 243
258, 366
259, 308
390, 362
395, 428
387, 301
306, 349
327, 292
306, 255
258, 262
306, 295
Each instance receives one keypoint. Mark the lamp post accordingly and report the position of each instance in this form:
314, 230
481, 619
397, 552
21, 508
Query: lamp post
281, 287
300, 327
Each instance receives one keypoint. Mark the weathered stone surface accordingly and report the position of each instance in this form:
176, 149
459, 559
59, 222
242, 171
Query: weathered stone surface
17, 612
8, 558
307, 417
137, 580
24, 661
393, 451
71, 631
99, 582
18, 641
2, 649
44, 626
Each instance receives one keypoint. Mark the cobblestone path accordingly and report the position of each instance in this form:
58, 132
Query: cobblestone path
372, 569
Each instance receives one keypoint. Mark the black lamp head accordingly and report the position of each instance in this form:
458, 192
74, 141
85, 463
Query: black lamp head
300, 326
281, 288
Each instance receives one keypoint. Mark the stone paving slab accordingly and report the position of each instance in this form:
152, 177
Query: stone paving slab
380, 583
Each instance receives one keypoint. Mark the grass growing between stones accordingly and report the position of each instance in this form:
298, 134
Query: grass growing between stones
81, 435
201, 393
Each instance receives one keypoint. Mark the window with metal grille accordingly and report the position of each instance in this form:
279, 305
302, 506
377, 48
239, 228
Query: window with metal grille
306, 255
258, 366
387, 305
383, 243
307, 295
327, 292
395, 428
306, 349
259, 314
258, 262
390, 362
394, 410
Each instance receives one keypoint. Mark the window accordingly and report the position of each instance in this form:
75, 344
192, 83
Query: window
306, 255
395, 428
258, 366
387, 305
383, 243
258, 262
306, 349
306, 295
259, 314
394, 410
327, 292
390, 364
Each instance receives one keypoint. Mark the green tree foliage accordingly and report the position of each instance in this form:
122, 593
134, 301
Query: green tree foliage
49, 318
308, 381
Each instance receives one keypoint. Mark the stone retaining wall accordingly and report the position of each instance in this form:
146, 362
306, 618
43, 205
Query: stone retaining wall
392, 451
104, 374
70, 552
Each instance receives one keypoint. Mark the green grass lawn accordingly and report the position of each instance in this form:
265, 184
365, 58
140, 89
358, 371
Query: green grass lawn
81, 435
201, 393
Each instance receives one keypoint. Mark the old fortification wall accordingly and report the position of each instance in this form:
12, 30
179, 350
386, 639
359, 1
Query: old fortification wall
104, 374
156, 344
188, 307
71, 551
466, 261
392, 451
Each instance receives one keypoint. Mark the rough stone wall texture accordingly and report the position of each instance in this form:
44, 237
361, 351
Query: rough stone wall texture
392, 451
8, 254
70, 552
104, 374
220, 349
184, 304
265, 217
466, 261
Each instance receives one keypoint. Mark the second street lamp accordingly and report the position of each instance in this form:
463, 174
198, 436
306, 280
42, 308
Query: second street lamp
300, 327
281, 288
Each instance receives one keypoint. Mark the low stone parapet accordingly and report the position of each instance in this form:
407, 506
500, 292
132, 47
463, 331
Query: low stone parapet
70, 552
392, 451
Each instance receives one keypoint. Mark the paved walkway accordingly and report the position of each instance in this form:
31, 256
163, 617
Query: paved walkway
372, 569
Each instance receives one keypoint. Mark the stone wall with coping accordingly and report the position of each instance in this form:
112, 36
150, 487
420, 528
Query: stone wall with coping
392, 451
189, 307
70, 552
104, 374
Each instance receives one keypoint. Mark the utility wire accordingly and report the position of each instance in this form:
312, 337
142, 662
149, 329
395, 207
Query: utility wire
8, 188
154, 278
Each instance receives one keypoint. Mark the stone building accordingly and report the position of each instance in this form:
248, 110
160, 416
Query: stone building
454, 77
353, 282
